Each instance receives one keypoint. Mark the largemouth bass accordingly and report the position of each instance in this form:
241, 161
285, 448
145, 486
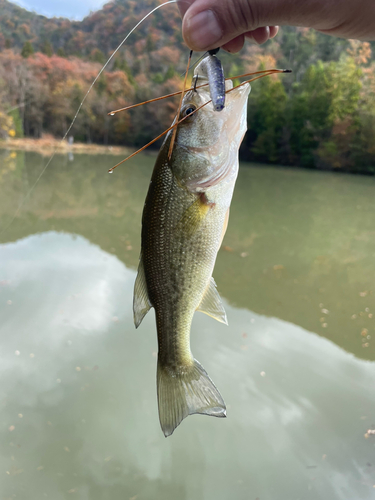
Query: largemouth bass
184, 221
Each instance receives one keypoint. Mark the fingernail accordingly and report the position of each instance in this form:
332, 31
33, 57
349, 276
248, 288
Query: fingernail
203, 30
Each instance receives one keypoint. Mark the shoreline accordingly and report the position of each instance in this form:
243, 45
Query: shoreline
48, 145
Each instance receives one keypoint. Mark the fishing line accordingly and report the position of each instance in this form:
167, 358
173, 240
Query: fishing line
79, 109
194, 63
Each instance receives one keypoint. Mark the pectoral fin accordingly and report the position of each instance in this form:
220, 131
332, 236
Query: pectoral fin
141, 302
194, 215
211, 303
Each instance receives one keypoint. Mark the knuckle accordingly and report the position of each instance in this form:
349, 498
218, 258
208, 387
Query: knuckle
241, 16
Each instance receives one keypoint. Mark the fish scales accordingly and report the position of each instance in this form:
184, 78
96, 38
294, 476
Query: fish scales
183, 223
176, 274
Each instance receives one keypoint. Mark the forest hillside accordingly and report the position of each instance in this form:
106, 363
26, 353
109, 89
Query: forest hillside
320, 116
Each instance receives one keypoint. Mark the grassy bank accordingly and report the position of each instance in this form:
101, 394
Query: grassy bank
47, 145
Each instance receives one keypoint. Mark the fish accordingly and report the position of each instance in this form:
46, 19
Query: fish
184, 220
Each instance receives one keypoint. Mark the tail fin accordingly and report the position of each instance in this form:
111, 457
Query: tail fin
183, 394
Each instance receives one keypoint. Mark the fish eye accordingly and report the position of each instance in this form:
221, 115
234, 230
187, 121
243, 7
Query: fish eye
188, 110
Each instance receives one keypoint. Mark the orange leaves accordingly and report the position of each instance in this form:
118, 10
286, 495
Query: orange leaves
259, 60
167, 55
56, 69
140, 46
25, 28
118, 84
360, 51
6, 125
50, 89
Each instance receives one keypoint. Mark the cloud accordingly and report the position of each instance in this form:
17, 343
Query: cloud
80, 414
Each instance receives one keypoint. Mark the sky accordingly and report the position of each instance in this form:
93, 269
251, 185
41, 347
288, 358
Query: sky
68, 8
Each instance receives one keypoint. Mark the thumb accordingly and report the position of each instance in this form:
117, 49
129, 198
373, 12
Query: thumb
212, 23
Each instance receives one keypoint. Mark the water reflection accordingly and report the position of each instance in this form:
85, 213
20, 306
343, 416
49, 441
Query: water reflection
78, 395
300, 245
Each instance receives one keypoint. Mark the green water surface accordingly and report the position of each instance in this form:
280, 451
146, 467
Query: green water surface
296, 366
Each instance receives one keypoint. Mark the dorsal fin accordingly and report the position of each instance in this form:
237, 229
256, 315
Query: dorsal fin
211, 303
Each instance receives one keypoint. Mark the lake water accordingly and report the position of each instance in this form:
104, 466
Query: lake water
296, 366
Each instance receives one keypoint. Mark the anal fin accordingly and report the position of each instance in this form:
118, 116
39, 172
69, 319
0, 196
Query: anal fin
141, 302
211, 303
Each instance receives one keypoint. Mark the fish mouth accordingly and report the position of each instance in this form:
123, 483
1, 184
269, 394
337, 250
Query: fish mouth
237, 96
236, 109
231, 92
210, 141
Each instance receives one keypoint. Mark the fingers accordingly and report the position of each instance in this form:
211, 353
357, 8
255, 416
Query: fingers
211, 23
223, 23
258, 36
183, 6
273, 31
235, 45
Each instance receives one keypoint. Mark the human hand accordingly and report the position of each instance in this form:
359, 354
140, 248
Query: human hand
208, 24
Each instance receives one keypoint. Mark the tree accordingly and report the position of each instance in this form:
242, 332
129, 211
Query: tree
6, 120
266, 119
47, 48
27, 50
97, 56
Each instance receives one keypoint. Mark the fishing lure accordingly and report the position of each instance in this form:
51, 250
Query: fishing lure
216, 79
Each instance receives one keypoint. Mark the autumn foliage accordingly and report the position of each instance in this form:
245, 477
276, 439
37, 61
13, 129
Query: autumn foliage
44, 93
320, 116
